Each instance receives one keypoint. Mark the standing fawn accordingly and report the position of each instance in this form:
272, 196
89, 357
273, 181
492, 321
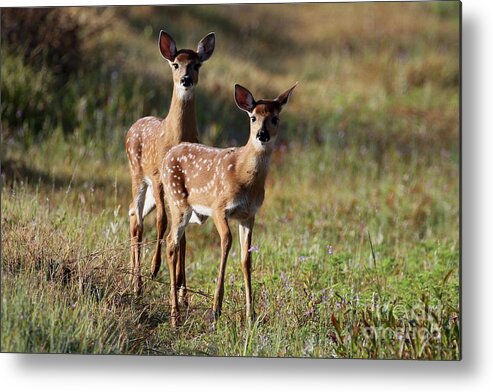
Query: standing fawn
201, 181
148, 141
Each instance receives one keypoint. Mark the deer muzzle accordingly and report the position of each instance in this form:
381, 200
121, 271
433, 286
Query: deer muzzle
263, 136
186, 81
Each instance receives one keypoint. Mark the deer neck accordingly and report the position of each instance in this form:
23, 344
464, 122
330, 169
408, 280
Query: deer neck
181, 121
253, 162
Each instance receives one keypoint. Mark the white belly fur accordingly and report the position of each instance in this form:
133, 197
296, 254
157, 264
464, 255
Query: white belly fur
200, 214
243, 205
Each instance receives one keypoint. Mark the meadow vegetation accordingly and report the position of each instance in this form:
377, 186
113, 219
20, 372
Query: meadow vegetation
356, 248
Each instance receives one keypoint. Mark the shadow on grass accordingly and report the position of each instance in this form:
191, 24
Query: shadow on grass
15, 171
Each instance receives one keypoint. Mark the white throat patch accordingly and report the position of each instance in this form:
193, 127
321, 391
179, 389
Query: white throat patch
185, 93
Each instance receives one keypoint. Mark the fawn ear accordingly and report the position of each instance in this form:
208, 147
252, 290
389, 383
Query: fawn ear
206, 47
284, 97
167, 46
244, 99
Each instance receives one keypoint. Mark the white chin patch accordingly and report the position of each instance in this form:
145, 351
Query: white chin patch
185, 93
260, 144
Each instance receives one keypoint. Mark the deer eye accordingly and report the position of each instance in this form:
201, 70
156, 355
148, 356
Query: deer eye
197, 66
275, 120
253, 119
174, 65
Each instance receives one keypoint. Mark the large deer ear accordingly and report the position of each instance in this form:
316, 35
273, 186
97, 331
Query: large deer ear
244, 99
284, 97
206, 47
167, 46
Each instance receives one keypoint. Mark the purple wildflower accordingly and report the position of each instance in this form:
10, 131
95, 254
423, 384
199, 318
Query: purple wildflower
253, 248
330, 250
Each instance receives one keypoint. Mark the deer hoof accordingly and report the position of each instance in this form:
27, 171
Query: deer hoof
182, 297
138, 286
175, 318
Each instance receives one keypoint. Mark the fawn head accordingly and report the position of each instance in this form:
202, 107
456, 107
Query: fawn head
264, 114
185, 63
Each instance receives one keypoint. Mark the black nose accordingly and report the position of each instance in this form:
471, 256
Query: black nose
263, 136
186, 81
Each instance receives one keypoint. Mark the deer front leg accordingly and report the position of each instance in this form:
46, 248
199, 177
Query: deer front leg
245, 232
179, 222
225, 234
171, 253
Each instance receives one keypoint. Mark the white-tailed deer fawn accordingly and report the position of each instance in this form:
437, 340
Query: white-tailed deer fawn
201, 181
148, 141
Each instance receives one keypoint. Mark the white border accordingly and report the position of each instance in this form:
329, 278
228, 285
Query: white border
83, 373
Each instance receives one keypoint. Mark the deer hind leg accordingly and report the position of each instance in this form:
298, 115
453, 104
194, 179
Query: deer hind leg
224, 232
181, 280
136, 232
245, 232
161, 223
179, 221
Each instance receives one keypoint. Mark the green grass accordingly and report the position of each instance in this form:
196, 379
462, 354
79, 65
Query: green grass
358, 238
403, 303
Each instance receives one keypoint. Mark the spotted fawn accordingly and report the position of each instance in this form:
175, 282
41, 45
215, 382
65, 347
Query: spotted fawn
201, 181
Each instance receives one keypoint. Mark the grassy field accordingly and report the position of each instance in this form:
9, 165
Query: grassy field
357, 243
